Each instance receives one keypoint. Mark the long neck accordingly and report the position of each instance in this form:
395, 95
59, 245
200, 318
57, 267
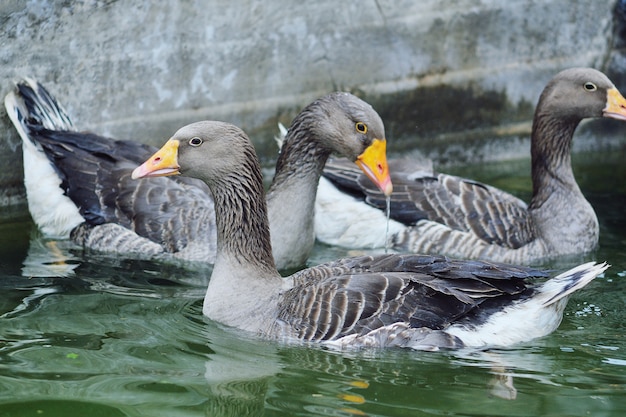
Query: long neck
302, 156
551, 156
241, 217
244, 283
291, 197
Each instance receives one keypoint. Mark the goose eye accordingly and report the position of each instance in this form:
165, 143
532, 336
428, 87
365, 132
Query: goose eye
361, 127
589, 86
195, 141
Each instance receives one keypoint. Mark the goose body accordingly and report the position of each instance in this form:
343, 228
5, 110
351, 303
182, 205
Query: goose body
78, 184
416, 301
444, 214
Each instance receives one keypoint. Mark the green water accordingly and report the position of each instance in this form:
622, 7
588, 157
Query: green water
86, 335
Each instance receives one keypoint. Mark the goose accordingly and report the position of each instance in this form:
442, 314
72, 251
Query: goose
406, 300
435, 213
78, 184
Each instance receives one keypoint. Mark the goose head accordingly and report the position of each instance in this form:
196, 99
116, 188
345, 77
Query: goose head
186, 153
579, 93
343, 124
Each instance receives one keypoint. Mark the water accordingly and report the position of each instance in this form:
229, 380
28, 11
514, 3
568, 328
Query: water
82, 334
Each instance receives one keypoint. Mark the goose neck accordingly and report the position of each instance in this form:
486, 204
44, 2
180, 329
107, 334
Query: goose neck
551, 157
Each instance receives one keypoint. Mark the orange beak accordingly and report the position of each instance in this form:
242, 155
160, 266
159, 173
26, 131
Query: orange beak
373, 162
163, 163
615, 105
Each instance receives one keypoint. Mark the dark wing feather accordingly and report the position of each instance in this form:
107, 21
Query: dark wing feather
358, 295
347, 177
492, 215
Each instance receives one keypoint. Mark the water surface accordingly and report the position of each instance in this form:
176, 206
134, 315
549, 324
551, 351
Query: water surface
96, 335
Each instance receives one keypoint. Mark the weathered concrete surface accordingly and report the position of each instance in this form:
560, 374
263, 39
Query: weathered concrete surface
458, 75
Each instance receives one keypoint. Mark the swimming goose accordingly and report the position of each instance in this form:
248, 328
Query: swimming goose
417, 301
445, 214
78, 184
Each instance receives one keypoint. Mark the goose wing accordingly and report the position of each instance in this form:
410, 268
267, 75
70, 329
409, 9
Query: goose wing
494, 216
360, 295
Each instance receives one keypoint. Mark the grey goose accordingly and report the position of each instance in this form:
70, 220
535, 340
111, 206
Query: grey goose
406, 300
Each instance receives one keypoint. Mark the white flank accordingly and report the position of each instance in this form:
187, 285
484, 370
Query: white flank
342, 220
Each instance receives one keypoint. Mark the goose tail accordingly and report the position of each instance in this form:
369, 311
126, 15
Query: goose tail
535, 316
30, 106
563, 285
35, 113
280, 137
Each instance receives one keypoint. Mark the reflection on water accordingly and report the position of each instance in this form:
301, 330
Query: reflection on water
48, 257
91, 334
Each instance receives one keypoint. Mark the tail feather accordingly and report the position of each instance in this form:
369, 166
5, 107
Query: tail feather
570, 281
33, 110
31, 106
282, 134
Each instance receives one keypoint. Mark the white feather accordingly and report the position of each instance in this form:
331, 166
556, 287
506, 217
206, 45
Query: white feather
342, 220
533, 317
53, 212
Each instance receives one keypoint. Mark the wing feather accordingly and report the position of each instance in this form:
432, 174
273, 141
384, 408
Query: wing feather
492, 215
359, 295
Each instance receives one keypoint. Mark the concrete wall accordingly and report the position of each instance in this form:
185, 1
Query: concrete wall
450, 72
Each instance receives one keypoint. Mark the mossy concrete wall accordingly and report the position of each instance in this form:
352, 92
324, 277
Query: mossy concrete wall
450, 77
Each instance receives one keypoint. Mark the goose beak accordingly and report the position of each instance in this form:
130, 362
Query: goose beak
615, 105
373, 162
163, 163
